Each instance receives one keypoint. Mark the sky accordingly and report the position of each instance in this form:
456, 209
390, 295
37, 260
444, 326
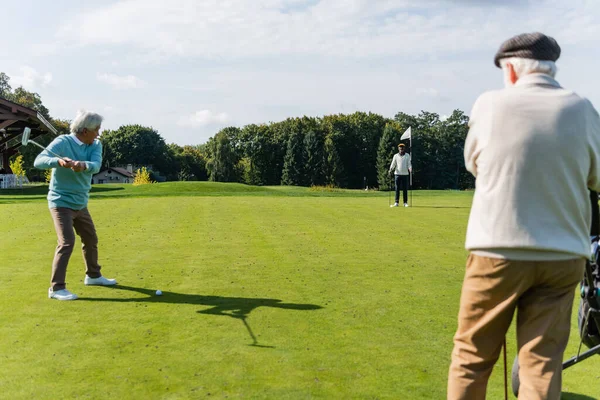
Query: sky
188, 68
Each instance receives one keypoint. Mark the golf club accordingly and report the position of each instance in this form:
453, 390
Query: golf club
390, 192
25, 141
411, 189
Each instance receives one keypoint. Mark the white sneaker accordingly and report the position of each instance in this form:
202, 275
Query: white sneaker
63, 294
405, 204
102, 281
394, 205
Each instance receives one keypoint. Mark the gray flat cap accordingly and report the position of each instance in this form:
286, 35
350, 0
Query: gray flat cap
529, 45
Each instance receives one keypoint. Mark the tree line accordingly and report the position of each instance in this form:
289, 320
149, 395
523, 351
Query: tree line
349, 151
341, 150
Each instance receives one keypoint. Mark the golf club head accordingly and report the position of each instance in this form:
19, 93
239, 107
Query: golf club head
26, 133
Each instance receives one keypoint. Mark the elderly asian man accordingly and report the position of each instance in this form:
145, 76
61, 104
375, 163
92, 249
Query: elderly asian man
68, 196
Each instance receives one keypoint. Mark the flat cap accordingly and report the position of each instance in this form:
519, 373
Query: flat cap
529, 45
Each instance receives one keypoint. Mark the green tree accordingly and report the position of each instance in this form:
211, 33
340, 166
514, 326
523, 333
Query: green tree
388, 146
223, 156
5, 89
189, 162
137, 145
335, 134
455, 133
263, 153
196, 162
351, 148
31, 100
315, 162
293, 164
335, 174
369, 130
426, 141
244, 170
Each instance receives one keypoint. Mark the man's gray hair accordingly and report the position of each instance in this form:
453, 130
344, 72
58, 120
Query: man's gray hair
524, 66
86, 120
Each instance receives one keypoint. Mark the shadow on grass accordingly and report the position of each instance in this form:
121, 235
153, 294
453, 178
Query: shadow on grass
575, 396
234, 307
38, 192
441, 207
96, 189
43, 190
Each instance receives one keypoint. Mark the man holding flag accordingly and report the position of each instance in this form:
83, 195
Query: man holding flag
401, 167
408, 135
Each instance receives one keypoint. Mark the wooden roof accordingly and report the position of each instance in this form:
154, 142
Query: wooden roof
121, 171
13, 120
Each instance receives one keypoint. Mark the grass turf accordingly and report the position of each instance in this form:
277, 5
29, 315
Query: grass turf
269, 293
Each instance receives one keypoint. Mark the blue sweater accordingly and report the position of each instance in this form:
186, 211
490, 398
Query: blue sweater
68, 188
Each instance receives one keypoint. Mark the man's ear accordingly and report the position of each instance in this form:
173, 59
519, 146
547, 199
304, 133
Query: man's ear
512, 75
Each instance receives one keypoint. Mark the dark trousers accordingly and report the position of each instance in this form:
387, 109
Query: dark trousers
66, 223
401, 181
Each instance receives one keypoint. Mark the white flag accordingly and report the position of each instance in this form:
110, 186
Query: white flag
406, 135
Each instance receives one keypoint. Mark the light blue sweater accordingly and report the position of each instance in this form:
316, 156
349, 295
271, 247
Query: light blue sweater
68, 188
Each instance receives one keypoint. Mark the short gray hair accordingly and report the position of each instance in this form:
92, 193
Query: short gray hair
86, 120
524, 66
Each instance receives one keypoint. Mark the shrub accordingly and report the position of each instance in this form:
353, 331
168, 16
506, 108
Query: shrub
142, 177
17, 166
326, 188
47, 175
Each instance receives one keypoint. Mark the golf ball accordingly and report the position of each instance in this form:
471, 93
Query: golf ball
159, 293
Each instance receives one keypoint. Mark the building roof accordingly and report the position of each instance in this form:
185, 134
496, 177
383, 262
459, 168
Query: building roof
121, 171
13, 120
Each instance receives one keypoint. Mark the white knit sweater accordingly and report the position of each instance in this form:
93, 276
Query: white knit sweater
534, 149
401, 164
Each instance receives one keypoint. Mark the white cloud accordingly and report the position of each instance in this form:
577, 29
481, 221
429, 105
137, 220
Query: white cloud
31, 79
430, 92
203, 118
121, 82
266, 60
232, 29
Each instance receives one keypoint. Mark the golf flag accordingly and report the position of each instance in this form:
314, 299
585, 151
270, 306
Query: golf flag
406, 135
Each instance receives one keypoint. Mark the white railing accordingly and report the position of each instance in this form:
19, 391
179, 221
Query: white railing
11, 181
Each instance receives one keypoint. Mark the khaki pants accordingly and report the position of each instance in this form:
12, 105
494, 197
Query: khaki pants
65, 219
493, 289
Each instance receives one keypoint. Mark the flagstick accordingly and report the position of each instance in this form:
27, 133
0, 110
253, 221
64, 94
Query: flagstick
411, 174
408, 135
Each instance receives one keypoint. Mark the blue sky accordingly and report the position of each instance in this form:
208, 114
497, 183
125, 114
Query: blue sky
189, 68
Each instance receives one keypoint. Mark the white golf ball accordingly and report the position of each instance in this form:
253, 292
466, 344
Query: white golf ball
159, 293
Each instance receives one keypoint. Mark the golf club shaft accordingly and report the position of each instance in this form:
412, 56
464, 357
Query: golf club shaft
574, 360
43, 148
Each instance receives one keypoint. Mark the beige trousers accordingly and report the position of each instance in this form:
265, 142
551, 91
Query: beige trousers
542, 294
66, 223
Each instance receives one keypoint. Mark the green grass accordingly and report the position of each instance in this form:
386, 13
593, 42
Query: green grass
269, 293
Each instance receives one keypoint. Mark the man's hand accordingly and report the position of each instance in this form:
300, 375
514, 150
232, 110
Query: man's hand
78, 166
65, 162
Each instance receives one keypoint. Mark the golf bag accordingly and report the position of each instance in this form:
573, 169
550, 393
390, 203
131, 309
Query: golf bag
588, 318
589, 307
